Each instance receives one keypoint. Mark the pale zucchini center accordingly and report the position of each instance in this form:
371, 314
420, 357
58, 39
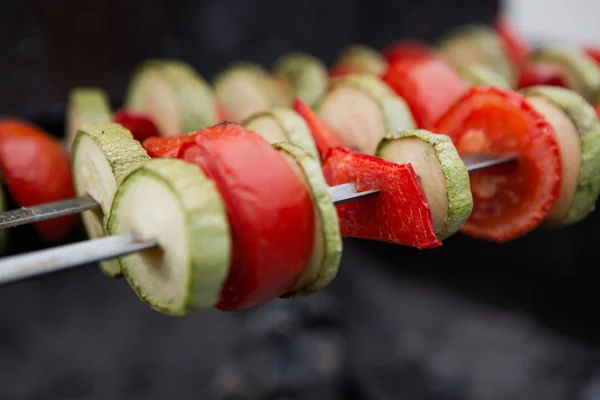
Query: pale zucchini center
242, 97
570, 151
268, 128
157, 100
356, 116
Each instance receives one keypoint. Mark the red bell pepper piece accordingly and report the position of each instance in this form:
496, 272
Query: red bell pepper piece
593, 52
325, 136
138, 123
541, 74
597, 110
338, 72
36, 169
512, 199
430, 86
270, 213
167, 146
517, 48
398, 214
408, 50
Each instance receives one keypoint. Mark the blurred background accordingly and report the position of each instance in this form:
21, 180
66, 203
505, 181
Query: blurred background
468, 321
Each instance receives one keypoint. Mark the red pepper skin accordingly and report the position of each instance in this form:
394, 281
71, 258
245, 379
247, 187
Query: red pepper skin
270, 213
167, 146
36, 169
517, 48
325, 136
512, 199
408, 50
339, 72
597, 110
541, 74
398, 214
139, 124
428, 85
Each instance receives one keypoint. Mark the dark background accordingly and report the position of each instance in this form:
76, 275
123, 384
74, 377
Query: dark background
468, 321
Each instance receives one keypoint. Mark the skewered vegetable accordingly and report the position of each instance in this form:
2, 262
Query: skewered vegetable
323, 135
304, 76
187, 273
480, 75
85, 105
516, 47
173, 95
281, 124
102, 155
408, 49
363, 109
578, 132
359, 59
442, 174
140, 126
508, 200
541, 74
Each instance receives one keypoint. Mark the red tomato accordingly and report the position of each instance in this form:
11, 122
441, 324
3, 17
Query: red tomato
36, 169
541, 74
408, 50
517, 47
428, 85
270, 213
139, 124
398, 214
324, 135
167, 147
512, 199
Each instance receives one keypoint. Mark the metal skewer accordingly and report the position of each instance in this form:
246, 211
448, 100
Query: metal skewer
45, 261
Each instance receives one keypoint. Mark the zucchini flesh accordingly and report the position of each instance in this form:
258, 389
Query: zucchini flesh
188, 219
86, 104
363, 109
442, 173
327, 250
480, 75
280, 124
305, 75
173, 95
361, 59
103, 153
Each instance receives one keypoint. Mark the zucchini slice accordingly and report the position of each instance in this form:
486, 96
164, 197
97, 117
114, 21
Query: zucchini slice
188, 219
103, 153
281, 124
361, 59
480, 75
86, 104
580, 71
305, 75
478, 44
578, 132
246, 88
442, 173
173, 95
327, 249
363, 109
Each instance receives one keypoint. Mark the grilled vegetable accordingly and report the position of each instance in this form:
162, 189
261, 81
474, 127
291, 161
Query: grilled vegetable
428, 85
541, 74
103, 153
187, 272
323, 134
35, 169
173, 96
516, 47
270, 213
398, 214
442, 173
139, 124
362, 108
478, 44
86, 104
512, 199
360, 59
304, 75
480, 75
327, 247
408, 49
579, 71
3, 232
578, 133
282, 125
245, 88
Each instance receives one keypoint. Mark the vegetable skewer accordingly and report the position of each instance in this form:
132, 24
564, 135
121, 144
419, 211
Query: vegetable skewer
340, 194
63, 257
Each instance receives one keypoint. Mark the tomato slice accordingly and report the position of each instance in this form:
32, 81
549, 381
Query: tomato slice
398, 214
512, 199
325, 136
167, 147
408, 49
541, 74
36, 170
430, 86
517, 47
139, 124
270, 213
